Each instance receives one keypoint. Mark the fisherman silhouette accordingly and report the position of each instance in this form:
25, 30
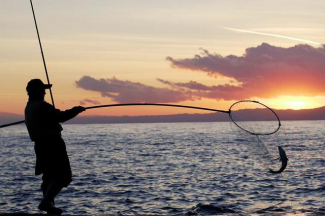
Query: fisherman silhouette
43, 125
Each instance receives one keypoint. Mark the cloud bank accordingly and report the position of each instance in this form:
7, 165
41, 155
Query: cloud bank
264, 71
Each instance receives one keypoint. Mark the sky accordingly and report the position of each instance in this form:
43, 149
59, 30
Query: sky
190, 52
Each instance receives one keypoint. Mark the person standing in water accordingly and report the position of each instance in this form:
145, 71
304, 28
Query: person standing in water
43, 125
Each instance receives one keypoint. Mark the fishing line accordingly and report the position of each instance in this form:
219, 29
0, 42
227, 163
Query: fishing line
255, 120
266, 150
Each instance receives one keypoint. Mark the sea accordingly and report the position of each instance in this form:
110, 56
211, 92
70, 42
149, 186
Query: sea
170, 169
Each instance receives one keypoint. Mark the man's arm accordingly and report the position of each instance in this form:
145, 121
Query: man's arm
62, 116
66, 115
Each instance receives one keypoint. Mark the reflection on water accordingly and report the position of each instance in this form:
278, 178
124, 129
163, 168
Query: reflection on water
193, 168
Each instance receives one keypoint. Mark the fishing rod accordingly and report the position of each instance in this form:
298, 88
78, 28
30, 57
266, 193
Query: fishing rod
40, 45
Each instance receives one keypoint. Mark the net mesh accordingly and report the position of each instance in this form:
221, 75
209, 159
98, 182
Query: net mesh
254, 117
263, 149
257, 131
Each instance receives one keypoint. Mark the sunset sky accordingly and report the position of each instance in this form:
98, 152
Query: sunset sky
190, 52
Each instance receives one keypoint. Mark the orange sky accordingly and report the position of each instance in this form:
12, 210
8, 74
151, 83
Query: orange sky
215, 45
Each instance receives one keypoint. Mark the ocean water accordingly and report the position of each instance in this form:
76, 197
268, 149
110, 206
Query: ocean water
170, 169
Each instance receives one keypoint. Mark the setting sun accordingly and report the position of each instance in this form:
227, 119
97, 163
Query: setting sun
296, 105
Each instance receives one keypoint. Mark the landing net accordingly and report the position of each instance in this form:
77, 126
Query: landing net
258, 132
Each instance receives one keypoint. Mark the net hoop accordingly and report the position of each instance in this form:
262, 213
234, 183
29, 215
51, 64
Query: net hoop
246, 129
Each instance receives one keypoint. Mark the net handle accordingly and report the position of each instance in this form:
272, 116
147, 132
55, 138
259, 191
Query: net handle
157, 104
252, 101
181, 106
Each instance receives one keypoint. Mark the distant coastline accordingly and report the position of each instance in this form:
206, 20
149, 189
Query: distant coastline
284, 115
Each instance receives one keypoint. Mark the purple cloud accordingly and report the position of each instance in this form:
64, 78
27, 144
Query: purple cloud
124, 91
226, 92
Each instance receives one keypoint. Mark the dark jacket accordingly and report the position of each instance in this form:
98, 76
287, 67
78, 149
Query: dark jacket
43, 120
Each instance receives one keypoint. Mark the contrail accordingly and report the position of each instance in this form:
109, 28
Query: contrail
273, 35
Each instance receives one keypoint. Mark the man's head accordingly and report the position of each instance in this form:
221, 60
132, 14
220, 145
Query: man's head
36, 89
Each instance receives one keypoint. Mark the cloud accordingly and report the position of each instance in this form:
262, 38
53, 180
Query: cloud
123, 91
225, 92
264, 71
89, 101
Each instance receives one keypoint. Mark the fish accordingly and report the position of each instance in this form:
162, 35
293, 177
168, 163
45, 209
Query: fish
283, 158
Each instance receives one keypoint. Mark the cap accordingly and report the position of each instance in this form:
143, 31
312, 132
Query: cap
36, 85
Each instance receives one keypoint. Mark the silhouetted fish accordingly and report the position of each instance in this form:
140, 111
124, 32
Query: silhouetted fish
283, 158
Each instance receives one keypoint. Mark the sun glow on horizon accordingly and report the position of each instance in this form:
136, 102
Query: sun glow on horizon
294, 103
297, 105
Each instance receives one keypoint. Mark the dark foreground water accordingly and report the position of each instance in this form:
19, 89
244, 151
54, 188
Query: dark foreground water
174, 169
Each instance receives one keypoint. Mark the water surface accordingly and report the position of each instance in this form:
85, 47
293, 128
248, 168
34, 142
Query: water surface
169, 168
